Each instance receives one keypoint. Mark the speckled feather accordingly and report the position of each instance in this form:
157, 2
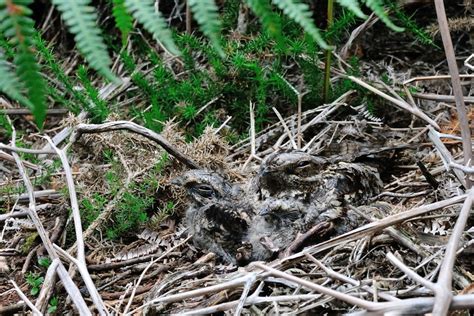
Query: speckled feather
298, 191
218, 216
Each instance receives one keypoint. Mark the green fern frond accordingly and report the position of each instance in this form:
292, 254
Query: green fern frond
300, 13
19, 27
269, 19
378, 8
80, 17
153, 21
353, 5
28, 71
10, 85
123, 20
206, 14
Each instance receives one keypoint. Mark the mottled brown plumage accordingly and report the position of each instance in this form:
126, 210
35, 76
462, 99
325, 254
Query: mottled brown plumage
298, 190
289, 172
292, 192
218, 215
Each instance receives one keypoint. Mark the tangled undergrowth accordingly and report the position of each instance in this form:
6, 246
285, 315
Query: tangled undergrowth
138, 251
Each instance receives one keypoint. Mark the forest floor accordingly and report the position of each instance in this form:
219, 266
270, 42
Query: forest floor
137, 251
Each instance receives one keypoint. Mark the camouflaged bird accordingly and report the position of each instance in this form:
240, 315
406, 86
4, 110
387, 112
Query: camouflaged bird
288, 173
298, 191
219, 214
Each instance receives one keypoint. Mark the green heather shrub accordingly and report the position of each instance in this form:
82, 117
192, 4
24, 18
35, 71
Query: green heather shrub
24, 82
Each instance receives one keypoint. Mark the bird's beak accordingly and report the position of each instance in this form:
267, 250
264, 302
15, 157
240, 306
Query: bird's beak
266, 172
264, 211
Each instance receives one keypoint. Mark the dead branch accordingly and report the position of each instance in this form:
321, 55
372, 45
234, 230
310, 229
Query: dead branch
69, 285
375, 226
445, 155
318, 288
25, 299
401, 104
457, 89
126, 125
443, 287
194, 293
48, 285
338, 276
80, 262
148, 267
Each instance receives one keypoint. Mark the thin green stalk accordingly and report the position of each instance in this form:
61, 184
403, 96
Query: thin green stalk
327, 65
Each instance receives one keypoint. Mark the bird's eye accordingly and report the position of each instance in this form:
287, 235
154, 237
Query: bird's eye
303, 164
204, 190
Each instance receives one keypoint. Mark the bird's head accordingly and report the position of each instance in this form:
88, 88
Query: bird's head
290, 170
204, 186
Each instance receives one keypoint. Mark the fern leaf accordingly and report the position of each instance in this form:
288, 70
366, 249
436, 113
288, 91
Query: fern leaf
17, 25
300, 13
206, 14
80, 17
378, 8
10, 85
353, 5
269, 19
28, 71
153, 21
123, 20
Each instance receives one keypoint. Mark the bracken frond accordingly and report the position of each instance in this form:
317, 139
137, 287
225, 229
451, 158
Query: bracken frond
378, 8
270, 20
19, 27
300, 13
10, 85
153, 21
353, 5
81, 18
123, 20
206, 14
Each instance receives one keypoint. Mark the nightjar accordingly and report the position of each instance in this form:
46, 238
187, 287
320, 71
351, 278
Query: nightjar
298, 190
219, 214
288, 173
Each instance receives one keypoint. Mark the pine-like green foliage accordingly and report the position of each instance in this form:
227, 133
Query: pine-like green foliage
271, 22
410, 25
206, 14
378, 8
54, 65
98, 108
81, 18
353, 5
19, 27
123, 20
153, 21
300, 13
344, 21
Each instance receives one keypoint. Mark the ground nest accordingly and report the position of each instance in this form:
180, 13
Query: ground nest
154, 267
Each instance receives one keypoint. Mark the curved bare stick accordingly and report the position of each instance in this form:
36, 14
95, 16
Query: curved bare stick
69, 285
121, 125
418, 305
48, 284
318, 288
373, 227
410, 273
338, 276
456, 83
81, 258
25, 299
443, 293
130, 301
198, 292
401, 104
